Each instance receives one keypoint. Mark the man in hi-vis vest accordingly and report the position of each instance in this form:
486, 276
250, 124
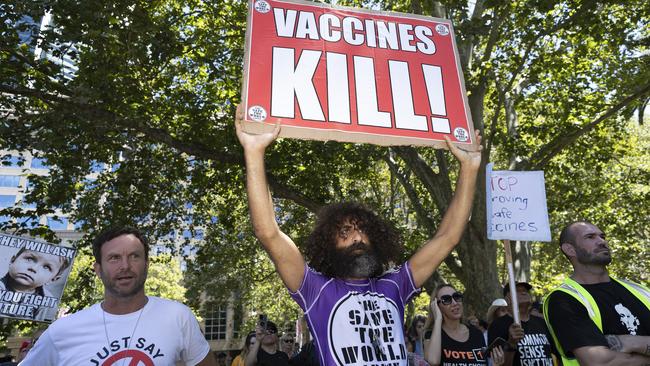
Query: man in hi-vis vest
595, 319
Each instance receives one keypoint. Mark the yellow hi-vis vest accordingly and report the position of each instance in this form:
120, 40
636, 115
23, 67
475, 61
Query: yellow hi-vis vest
576, 290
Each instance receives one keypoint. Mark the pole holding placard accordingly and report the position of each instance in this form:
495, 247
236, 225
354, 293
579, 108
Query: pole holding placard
511, 282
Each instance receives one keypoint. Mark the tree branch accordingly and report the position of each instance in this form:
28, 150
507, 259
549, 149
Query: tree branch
282, 191
422, 213
547, 152
438, 185
159, 135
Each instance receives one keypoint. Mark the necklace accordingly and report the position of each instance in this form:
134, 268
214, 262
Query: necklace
108, 342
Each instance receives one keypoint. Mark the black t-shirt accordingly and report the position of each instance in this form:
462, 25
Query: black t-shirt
534, 349
279, 358
306, 357
620, 311
468, 353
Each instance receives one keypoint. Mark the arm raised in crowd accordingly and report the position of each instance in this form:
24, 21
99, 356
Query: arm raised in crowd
251, 356
433, 348
426, 260
284, 253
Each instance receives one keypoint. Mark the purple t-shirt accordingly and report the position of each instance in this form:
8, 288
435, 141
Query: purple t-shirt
344, 316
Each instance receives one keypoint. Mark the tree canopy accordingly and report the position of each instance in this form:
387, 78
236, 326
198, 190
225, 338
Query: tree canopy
552, 86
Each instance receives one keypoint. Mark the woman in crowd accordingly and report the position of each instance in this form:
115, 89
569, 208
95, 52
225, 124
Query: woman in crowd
287, 344
451, 341
415, 335
498, 309
250, 340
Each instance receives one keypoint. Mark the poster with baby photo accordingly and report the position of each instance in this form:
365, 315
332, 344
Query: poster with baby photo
34, 274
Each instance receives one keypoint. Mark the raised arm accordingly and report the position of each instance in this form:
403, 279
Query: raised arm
426, 260
433, 347
283, 252
251, 356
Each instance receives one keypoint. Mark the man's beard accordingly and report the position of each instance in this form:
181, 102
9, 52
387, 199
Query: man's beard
348, 264
110, 285
584, 257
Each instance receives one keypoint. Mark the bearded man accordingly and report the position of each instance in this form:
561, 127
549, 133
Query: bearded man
595, 319
352, 295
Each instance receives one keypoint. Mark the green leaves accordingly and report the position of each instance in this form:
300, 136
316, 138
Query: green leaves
551, 85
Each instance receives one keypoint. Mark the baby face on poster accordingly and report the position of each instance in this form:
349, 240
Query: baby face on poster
30, 270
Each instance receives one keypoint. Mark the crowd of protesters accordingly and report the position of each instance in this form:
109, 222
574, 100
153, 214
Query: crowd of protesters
447, 336
353, 292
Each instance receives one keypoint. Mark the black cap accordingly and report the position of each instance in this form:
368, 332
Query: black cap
272, 327
506, 288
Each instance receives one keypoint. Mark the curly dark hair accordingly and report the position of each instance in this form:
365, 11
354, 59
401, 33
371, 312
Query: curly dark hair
321, 244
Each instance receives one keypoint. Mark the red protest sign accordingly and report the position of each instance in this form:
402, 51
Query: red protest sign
336, 73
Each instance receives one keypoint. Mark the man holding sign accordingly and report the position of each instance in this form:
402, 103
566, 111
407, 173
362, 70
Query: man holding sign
596, 319
353, 302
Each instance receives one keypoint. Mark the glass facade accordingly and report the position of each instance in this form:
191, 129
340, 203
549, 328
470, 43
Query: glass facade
38, 163
9, 181
7, 200
60, 223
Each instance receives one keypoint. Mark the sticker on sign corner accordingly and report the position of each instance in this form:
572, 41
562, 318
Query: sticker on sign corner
442, 29
257, 113
262, 6
461, 134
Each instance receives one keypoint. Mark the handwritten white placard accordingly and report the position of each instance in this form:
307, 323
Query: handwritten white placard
516, 205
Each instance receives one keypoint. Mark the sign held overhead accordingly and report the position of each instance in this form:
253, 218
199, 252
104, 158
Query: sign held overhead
335, 73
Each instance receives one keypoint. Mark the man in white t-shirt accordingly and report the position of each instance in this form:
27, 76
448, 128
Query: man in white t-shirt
128, 327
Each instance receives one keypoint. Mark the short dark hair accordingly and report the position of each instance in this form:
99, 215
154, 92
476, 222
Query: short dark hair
112, 233
567, 235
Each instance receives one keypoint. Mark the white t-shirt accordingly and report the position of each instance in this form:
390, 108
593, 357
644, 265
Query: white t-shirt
167, 332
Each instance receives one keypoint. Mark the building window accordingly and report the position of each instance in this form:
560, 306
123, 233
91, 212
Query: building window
39, 163
30, 205
31, 222
9, 181
11, 161
215, 323
7, 200
60, 223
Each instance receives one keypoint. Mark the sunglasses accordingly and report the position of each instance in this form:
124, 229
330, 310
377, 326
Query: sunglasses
271, 331
446, 299
287, 340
